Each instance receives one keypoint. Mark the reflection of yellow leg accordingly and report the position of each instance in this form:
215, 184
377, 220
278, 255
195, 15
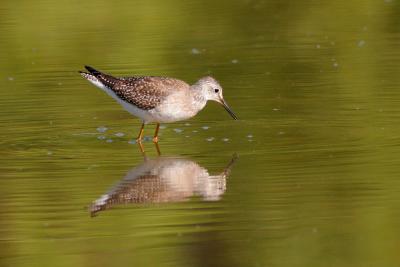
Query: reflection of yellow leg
139, 138
155, 138
158, 149
141, 148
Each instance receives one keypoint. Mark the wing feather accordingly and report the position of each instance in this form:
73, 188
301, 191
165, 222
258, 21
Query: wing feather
144, 92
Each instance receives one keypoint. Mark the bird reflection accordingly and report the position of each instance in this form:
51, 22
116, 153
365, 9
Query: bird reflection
164, 179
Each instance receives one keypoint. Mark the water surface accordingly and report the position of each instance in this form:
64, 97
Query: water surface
316, 180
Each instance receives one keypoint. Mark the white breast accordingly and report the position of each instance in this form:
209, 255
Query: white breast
176, 107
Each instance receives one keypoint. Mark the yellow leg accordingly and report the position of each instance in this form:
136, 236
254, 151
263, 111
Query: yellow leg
155, 138
139, 138
158, 149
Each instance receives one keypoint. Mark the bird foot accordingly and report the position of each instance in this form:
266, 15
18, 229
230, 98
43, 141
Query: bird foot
138, 140
155, 139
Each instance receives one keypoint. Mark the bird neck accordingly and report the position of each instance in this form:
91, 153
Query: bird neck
198, 99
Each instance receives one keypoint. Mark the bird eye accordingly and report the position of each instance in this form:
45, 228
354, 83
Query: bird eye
216, 90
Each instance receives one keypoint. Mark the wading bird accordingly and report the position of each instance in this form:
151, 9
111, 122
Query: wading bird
158, 99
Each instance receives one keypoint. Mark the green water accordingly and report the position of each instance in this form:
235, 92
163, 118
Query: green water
316, 180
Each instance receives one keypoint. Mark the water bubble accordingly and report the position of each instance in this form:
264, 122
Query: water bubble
318, 46
163, 127
178, 130
250, 136
119, 134
361, 43
195, 51
205, 127
335, 64
187, 124
101, 137
132, 142
194, 131
92, 166
109, 141
225, 139
210, 139
235, 61
102, 129
10, 78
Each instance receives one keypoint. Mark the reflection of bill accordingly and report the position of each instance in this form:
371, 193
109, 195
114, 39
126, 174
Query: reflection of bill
164, 179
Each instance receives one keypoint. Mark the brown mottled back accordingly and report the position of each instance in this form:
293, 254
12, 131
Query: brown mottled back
144, 92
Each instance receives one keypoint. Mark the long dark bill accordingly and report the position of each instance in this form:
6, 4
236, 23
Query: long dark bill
227, 108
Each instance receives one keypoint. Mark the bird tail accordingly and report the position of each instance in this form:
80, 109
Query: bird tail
92, 72
98, 78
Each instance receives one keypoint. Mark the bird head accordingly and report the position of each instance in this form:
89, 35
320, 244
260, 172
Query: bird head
212, 90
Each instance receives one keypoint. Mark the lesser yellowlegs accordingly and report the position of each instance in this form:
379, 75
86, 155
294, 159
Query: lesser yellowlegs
158, 99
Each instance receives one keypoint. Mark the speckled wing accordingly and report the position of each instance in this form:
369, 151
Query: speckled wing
143, 92
146, 92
